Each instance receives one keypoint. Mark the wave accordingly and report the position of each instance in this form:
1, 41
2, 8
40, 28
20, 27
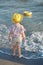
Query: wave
31, 56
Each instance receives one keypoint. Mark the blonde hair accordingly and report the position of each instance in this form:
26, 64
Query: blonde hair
17, 18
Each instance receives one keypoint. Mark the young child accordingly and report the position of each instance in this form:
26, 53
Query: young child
17, 33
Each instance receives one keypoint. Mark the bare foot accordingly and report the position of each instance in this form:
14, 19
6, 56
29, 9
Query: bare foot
13, 54
20, 56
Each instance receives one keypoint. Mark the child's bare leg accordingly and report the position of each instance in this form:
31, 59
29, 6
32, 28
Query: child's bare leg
13, 49
19, 51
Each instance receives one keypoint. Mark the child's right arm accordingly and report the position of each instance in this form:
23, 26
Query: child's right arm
10, 35
10, 32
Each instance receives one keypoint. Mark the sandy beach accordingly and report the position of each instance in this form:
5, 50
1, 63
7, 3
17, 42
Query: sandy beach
6, 62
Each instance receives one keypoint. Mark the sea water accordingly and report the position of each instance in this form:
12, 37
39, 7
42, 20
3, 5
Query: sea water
32, 46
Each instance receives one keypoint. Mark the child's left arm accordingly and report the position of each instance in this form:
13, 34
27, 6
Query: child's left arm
23, 33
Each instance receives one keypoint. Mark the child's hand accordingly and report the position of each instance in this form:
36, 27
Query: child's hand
23, 35
24, 38
9, 38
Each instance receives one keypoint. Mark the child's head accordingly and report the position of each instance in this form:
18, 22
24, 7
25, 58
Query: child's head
17, 18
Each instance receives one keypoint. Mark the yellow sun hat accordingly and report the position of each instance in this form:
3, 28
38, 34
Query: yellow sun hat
17, 18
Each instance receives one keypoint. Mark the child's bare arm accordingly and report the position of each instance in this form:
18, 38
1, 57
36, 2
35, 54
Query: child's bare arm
23, 35
10, 35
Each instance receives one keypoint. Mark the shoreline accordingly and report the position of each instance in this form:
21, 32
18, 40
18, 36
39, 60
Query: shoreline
9, 60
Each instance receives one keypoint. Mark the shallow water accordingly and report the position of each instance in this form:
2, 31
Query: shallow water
33, 45
8, 7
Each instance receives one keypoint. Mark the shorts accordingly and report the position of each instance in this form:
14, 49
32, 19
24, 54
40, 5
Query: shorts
17, 41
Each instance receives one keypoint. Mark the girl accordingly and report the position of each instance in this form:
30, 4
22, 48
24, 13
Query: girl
17, 33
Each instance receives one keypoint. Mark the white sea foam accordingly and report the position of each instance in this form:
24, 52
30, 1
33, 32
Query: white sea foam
35, 42
5, 52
